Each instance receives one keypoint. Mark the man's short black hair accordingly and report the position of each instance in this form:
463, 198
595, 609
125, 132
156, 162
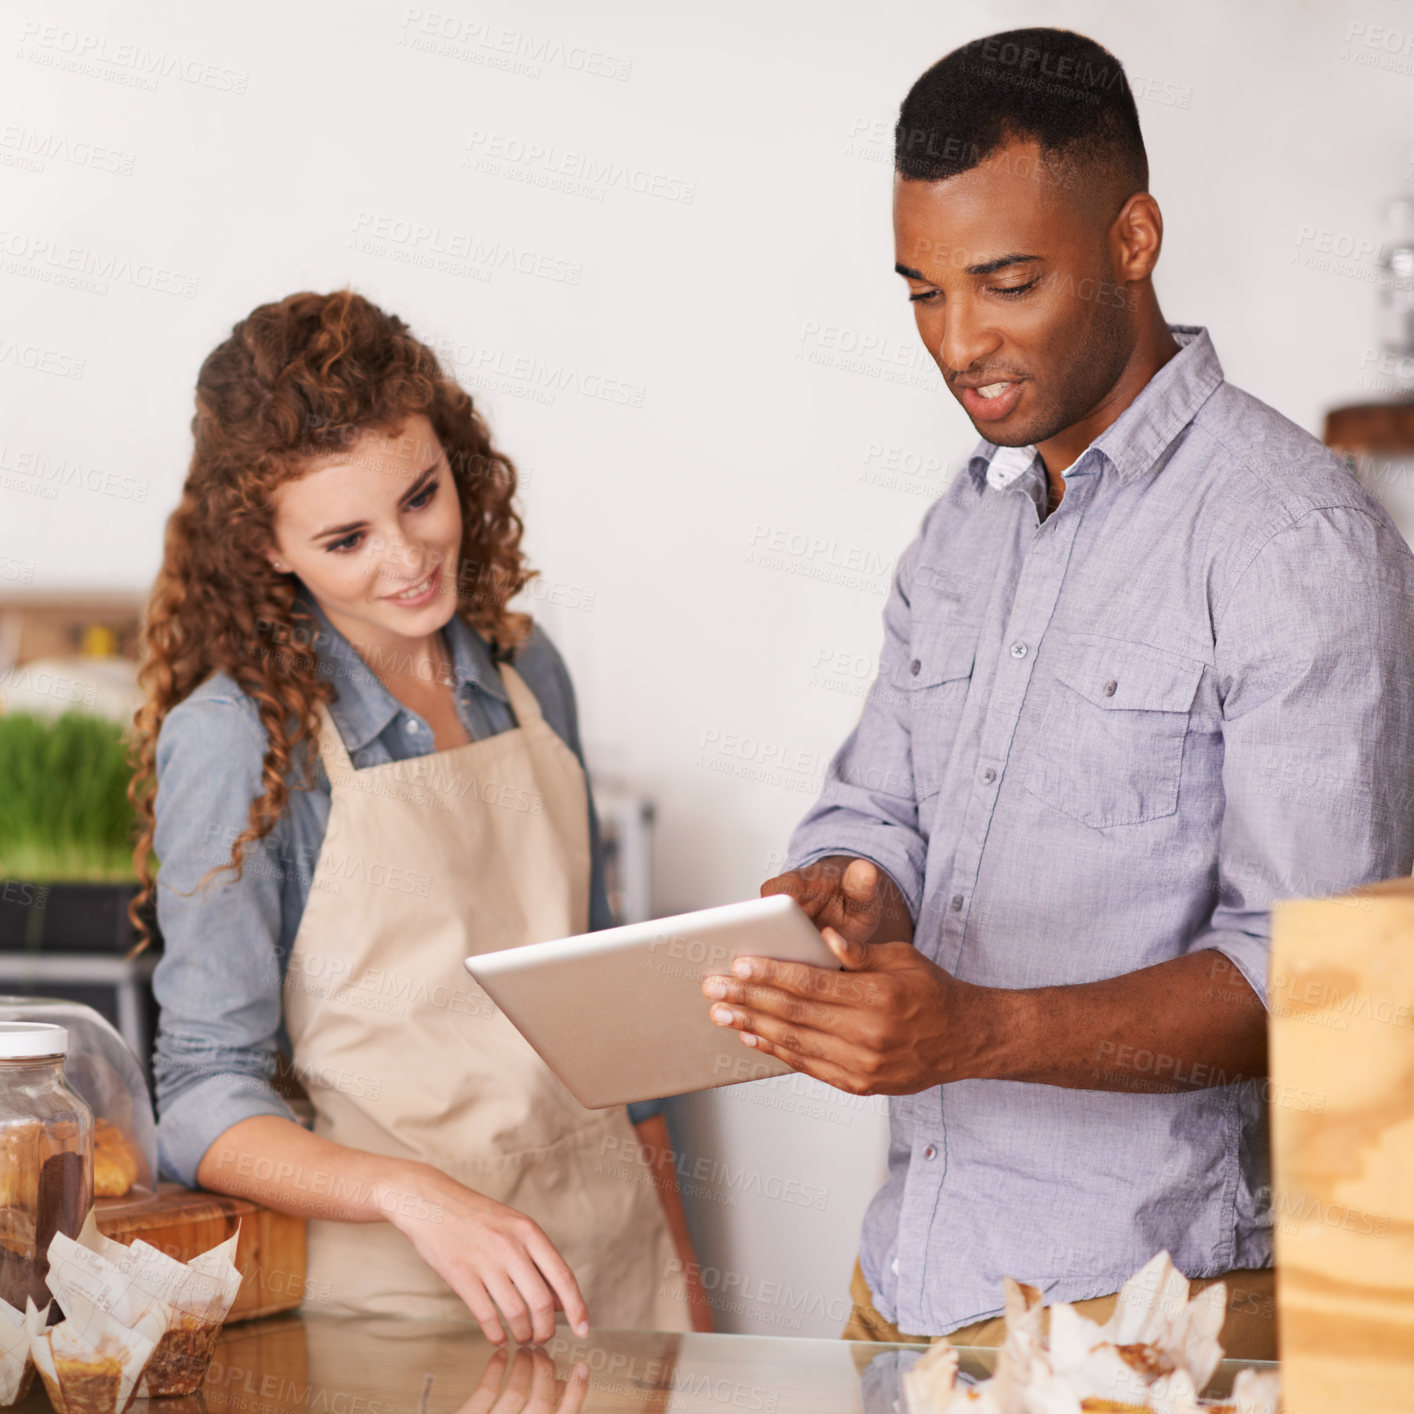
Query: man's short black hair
1060, 89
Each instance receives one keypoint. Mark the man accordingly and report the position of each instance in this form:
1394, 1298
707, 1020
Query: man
1146, 668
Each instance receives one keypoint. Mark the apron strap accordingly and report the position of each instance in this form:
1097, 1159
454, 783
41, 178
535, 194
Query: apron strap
523, 701
331, 747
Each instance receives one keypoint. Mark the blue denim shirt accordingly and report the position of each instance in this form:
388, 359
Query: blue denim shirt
1096, 742
220, 979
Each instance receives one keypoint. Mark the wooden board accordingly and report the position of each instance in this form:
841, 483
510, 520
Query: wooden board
1342, 1089
184, 1223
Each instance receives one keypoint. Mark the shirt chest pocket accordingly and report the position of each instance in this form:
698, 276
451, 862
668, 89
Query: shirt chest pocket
1110, 744
935, 684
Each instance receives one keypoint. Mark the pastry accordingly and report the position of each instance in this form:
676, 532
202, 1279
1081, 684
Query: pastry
19, 1164
17, 1231
179, 1363
85, 1386
114, 1161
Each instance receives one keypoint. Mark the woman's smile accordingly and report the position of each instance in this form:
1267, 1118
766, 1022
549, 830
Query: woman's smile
423, 592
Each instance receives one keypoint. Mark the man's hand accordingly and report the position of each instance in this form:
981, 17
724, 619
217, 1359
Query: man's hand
852, 896
890, 1023
893, 1023
874, 1029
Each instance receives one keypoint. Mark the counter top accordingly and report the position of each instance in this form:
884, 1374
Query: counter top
321, 1364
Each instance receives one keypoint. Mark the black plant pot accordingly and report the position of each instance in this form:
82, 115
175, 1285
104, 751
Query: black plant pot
75, 921
21, 914
67, 917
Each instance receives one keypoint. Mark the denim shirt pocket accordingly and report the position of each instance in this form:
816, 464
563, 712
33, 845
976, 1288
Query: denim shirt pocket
935, 682
1110, 745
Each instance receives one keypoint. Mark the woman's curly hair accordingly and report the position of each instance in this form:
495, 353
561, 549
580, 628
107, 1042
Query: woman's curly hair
297, 380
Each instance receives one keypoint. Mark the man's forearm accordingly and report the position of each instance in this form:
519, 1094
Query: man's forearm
1185, 1024
893, 1022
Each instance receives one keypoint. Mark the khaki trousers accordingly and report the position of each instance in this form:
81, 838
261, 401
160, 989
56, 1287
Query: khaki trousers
1249, 1333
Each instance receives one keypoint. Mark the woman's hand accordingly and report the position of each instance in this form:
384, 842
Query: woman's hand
482, 1249
487, 1252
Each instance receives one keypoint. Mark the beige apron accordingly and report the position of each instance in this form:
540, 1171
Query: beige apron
426, 861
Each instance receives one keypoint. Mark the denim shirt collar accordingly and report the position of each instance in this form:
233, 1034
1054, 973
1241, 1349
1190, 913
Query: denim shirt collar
1134, 443
364, 708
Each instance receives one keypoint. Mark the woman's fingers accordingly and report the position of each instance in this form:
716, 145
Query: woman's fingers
494, 1254
473, 1291
557, 1272
513, 1309
539, 1299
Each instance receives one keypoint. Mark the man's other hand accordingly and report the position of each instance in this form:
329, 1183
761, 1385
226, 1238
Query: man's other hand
853, 896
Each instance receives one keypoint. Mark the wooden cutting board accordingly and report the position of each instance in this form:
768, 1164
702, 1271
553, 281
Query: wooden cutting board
184, 1223
1342, 1105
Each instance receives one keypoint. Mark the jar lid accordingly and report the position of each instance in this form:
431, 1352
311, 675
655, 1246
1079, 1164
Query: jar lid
26, 1040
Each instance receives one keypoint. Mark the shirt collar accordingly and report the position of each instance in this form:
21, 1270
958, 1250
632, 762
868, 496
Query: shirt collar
1006, 464
364, 707
1141, 434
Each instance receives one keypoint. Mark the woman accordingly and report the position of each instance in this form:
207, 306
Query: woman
357, 766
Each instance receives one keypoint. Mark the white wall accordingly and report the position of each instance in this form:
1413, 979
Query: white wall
276, 139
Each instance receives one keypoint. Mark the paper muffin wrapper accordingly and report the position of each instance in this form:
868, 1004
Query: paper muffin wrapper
202, 1289
91, 1362
178, 1364
17, 1329
131, 1284
195, 1295
1155, 1353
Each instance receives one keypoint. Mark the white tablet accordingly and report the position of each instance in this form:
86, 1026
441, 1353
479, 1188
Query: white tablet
619, 1015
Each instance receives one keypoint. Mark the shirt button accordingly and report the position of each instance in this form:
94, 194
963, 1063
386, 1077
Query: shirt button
915, 667
989, 775
414, 725
930, 1152
955, 902
1018, 650
1110, 688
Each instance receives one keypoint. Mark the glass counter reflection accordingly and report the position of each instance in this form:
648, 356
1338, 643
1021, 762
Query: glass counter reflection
315, 1364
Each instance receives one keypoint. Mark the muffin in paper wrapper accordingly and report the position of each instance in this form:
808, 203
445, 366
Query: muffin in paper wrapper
198, 1294
1155, 1353
17, 1329
191, 1299
91, 1362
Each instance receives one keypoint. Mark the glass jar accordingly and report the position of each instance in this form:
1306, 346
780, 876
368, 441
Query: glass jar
109, 1079
46, 1156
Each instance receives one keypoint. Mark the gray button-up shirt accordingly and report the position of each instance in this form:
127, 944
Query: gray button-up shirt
219, 982
1097, 742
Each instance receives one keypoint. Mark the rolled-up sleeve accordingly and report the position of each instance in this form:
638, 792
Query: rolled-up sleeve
868, 806
1315, 667
218, 983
